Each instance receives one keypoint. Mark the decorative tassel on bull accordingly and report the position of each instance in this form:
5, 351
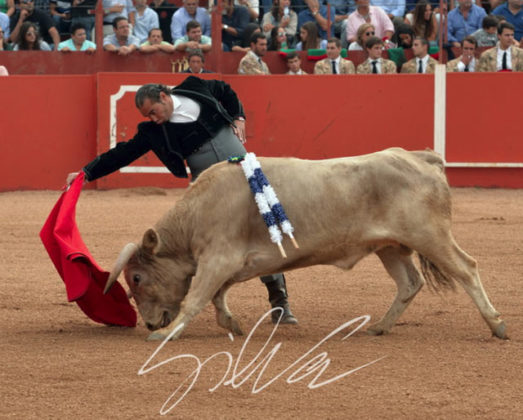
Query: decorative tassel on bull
268, 204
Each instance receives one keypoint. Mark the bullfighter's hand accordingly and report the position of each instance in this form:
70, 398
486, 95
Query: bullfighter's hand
71, 177
239, 129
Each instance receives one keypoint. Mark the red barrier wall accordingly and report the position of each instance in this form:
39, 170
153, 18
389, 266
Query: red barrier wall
55, 124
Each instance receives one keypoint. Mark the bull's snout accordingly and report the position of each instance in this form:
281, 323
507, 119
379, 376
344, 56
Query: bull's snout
166, 320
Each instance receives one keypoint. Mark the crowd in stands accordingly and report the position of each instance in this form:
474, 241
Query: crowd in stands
326, 29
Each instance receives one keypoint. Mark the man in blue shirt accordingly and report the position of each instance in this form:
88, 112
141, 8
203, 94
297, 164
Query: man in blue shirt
512, 10
189, 11
464, 20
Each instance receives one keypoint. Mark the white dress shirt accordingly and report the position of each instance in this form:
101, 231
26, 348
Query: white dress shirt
184, 110
424, 61
472, 65
500, 58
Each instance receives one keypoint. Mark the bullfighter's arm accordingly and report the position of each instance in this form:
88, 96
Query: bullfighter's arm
122, 155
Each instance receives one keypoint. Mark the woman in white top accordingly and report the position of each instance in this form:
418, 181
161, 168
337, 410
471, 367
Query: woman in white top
365, 31
29, 39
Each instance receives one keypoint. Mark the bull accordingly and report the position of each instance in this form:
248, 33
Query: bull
391, 203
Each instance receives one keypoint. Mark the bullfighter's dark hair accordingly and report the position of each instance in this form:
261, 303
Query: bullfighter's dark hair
256, 36
373, 40
150, 91
423, 41
505, 25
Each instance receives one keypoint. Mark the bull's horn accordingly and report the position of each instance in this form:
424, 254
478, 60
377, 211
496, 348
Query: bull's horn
127, 252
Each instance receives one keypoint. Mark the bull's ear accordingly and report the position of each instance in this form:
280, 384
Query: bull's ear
151, 241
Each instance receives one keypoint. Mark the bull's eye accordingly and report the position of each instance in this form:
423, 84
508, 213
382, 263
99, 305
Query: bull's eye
136, 279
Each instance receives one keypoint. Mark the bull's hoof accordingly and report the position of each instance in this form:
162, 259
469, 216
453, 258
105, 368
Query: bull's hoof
501, 331
376, 329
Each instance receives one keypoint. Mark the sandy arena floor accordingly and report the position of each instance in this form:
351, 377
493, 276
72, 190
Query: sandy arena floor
439, 362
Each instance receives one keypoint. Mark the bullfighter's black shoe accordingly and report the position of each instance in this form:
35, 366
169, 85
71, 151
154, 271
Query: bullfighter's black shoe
278, 298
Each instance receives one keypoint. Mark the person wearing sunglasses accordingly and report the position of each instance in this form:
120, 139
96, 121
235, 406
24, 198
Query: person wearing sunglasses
365, 13
365, 31
28, 13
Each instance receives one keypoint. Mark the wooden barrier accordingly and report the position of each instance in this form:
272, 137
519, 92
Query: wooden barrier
52, 125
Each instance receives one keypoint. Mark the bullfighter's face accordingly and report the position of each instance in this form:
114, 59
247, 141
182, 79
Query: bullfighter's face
158, 112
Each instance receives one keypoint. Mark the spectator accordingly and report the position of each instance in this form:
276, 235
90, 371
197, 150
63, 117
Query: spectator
121, 41
244, 44
114, 9
252, 6
165, 11
317, 14
82, 12
365, 13
193, 39
189, 11
422, 62
155, 43
234, 22
252, 62
487, 35
29, 39
28, 13
196, 60
512, 11
463, 20
466, 62
7, 7
395, 9
78, 41
334, 63
309, 38
294, 64
365, 31
423, 22
4, 46
3, 71
505, 56
342, 9
278, 39
145, 20
375, 64
404, 36
60, 11
4, 26
281, 16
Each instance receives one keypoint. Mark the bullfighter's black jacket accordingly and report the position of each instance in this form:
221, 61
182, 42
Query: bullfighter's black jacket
173, 142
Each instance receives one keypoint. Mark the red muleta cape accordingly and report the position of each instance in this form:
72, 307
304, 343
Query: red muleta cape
84, 279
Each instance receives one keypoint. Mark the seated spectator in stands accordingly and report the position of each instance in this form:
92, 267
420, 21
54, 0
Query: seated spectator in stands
334, 63
317, 14
252, 62
365, 13
294, 64
395, 9
78, 41
196, 60
4, 26
3, 71
404, 36
281, 16
28, 13
466, 62
4, 45
244, 44
278, 39
189, 11
29, 39
365, 31
234, 21
505, 56
487, 35
423, 22
193, 39
165, 11
145, 20
117, 8
7, 7
82, 12
375, 64
155, 43
342, 9
463, 20
512, 11
422, 62
60, 11
121, 41
309, 38
252, 6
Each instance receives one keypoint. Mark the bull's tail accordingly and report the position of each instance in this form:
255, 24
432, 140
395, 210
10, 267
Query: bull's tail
436, 279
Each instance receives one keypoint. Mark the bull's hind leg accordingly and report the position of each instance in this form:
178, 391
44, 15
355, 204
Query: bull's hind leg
456, 264
408, 281
224, 317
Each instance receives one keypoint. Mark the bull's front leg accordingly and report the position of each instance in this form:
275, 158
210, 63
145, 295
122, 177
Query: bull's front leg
209, 279
224, 317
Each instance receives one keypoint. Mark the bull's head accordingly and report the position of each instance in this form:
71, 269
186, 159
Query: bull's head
157, 279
